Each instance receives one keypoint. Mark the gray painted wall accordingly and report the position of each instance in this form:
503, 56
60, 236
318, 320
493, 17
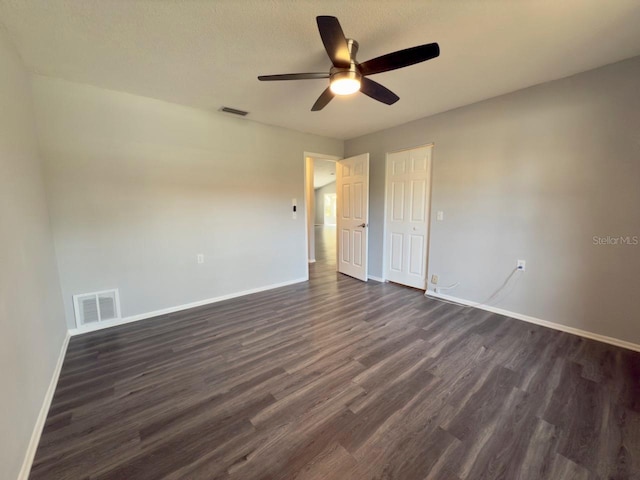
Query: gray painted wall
32, 327
319, 203
534, 175
138, 187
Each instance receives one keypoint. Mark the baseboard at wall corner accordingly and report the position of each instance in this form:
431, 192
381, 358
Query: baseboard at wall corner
178, 308
44, 411
538, 321
377, 279
312, 260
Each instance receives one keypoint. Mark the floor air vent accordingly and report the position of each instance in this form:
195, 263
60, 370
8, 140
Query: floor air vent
96, 307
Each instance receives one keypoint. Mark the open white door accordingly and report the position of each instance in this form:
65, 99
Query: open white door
352, 188
406, 225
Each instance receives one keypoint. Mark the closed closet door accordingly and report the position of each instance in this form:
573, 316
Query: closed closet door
407, 216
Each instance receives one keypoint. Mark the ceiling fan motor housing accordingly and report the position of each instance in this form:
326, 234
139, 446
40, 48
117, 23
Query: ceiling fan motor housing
349, 78
352, 72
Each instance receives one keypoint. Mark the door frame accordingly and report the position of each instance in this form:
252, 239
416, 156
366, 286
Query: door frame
385, 258
309, 197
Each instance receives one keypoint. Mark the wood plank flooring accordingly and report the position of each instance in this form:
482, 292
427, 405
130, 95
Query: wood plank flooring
338, 379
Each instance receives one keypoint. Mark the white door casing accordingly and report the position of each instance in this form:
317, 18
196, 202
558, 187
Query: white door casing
352, 188
408, 194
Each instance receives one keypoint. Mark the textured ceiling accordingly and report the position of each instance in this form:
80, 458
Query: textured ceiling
209, 53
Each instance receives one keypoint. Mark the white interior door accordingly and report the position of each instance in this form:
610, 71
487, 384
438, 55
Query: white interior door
407, 216
352, 189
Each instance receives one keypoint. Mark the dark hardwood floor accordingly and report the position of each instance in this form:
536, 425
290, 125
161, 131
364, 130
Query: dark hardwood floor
338, 379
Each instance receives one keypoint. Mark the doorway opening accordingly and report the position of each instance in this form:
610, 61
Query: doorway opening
330, 208
320, 199
324, 189
345, 246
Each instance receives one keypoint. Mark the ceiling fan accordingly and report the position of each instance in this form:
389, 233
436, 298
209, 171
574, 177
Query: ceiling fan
347, 75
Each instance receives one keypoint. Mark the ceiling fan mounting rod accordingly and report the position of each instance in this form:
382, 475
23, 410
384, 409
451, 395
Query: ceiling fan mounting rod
353, 49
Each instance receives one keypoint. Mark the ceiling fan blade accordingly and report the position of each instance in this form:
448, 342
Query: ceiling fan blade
293, 76
377, 92
399, 59
335, 43
323, 100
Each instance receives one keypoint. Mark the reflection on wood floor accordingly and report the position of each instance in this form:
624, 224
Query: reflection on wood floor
340, 379
326, 245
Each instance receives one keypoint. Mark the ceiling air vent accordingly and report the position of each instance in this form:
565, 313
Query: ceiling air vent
96, 307
234, 111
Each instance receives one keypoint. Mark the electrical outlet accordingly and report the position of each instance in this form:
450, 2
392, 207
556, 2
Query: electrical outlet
521, 265
434, 279
200, 258
440, 215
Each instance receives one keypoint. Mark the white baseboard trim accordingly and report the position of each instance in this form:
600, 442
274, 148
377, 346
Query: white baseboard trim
312, 260
377, 279
538, 321
44, 411
164, 311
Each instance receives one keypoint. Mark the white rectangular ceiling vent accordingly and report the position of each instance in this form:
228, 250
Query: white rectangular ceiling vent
96, 307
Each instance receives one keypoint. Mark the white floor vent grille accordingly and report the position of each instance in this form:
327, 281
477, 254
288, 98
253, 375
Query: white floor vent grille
96, 307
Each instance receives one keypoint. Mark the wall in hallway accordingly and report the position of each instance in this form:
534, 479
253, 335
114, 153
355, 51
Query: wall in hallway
320, 193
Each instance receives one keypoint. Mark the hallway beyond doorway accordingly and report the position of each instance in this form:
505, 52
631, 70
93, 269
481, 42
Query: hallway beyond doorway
325, 237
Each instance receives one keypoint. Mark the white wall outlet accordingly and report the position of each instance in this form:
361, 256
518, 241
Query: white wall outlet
200, 258
440, 215
521, 265
434, 279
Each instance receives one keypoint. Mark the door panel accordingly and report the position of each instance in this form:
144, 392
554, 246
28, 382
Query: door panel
407, 217
397, 241
346, 258
357, 248
419, 163
352, 178
416, 254
397, 201
417, 202
346, 201
357, 201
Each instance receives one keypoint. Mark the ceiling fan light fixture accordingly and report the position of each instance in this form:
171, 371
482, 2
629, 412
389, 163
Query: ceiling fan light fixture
345, 82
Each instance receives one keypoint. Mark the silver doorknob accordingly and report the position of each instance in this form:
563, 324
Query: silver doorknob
362, 225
